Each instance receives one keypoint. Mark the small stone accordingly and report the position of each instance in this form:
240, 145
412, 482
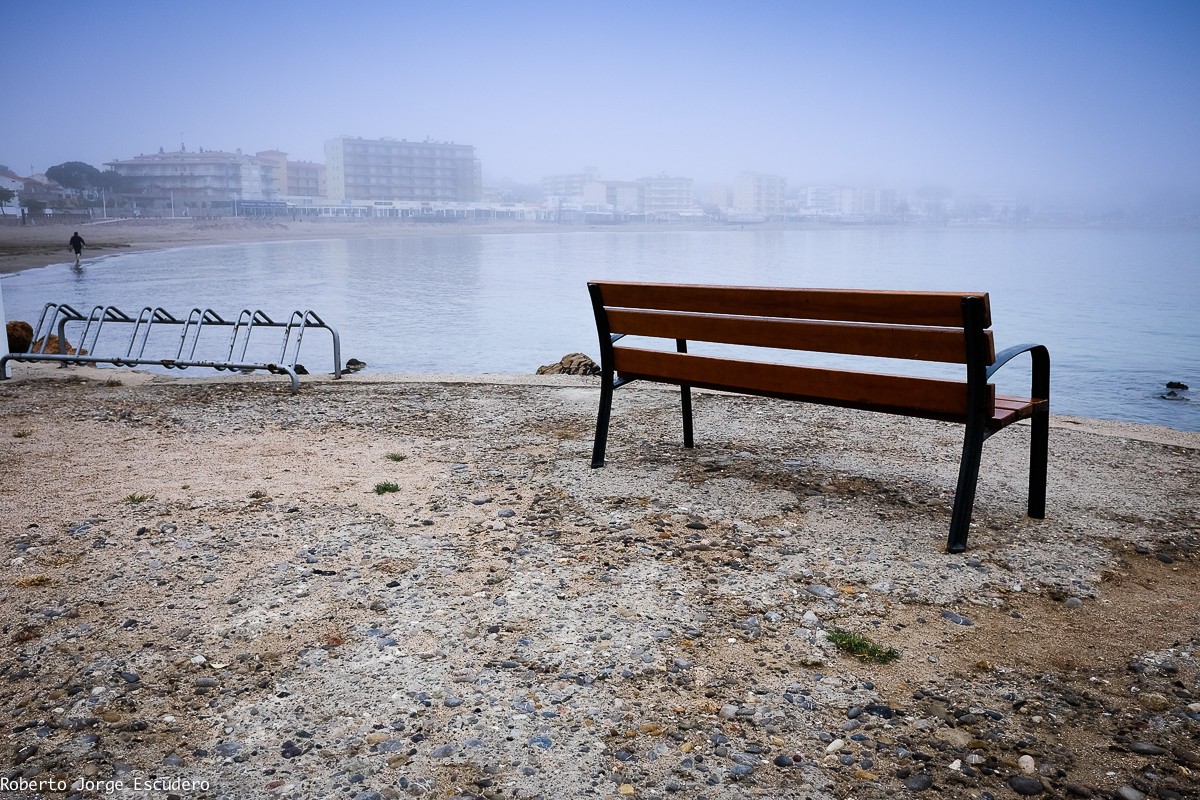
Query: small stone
919, 782
957, 619
1027, 764
1024, 785
821, 591
1129, 793
739, 771
1073, 602
1078, 790
784, 761
1189, 757
1147, 749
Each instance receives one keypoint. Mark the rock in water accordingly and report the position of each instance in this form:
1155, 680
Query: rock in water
571, 364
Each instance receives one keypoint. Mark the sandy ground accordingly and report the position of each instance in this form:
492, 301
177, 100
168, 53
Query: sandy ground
415, 587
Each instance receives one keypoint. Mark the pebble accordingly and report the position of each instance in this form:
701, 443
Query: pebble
1024, 785
957, 619
1189, 757
919, 782
1147, 749
1130, 793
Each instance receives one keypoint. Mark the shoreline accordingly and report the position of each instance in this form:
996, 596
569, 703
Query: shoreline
34, 246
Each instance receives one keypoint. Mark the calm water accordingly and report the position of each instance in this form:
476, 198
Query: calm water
1116, 307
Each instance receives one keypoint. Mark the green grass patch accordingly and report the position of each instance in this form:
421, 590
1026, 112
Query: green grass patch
862, 647
386, 487
23, 433
258, 494
138, 497
396, 456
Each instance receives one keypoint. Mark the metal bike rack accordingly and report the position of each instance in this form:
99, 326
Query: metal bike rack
192, 327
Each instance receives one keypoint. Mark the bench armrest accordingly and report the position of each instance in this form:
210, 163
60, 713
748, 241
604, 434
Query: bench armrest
1040, 388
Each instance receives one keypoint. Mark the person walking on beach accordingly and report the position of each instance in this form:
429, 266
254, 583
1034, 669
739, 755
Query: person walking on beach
77, 244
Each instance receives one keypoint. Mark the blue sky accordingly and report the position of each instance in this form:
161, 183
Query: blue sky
1066, 97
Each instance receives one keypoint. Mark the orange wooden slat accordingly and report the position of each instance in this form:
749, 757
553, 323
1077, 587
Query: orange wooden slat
889, 341
931, 397
850, 305
1010, 409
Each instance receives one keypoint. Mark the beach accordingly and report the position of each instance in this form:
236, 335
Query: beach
31, 246
415, 586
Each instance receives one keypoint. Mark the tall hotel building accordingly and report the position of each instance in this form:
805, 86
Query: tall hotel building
360, 169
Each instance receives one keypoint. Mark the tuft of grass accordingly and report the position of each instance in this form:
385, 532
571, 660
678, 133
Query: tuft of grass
23, 433
396, 456
32, 580
138, 497
385, 487
862, 647
258, 494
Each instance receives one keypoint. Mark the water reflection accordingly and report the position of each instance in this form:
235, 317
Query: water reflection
1113, 306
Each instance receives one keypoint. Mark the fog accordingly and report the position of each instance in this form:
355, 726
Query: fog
1064, 99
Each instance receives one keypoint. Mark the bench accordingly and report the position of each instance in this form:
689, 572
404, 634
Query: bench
947, 327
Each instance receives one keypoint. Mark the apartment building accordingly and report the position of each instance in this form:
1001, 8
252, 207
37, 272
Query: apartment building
573, 184
758, 193
358, 169
298, 179
664, 195
183, 180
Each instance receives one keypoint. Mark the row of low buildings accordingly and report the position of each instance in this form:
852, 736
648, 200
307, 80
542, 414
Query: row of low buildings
397, 178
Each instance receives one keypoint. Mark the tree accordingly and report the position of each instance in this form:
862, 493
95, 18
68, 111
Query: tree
109, 181
6, 197
74, 175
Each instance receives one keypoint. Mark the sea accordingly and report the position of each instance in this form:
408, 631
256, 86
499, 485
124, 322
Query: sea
1116, 307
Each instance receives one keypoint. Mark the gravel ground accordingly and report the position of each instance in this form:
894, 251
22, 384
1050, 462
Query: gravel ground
389, 587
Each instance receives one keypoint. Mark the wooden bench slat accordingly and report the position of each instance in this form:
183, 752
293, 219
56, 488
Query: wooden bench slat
925, 397
850, 305
920, 343
1011, 409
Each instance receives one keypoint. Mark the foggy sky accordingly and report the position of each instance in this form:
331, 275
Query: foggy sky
1040, 96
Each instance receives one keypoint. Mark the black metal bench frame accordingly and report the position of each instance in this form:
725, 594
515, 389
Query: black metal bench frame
927, 326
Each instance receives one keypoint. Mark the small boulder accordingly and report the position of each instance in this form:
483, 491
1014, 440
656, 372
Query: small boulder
571, 364
20, 336
49, 344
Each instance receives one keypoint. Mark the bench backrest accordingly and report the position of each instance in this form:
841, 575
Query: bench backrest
947, 327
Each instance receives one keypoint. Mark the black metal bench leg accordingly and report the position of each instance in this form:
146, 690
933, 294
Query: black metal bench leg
964, 495
1039, 456
685, 398
602, 417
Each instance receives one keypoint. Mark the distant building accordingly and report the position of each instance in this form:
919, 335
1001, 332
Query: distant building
622, 197
360, 169
296, 179
760, 194
569, 185
196, 183
666, 195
